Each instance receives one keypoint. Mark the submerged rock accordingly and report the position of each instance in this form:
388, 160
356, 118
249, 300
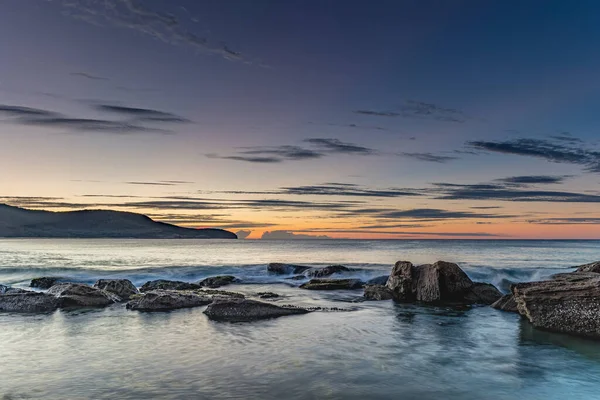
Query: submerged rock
380, 280
25, 301
121, 287
568, 303
286, 269
217, 281
164, 300
591, 267
80, 295
506, 303
162, 284
45, 282
326, 271
247, 310
332, 284
377, 292
483, 293
267, 295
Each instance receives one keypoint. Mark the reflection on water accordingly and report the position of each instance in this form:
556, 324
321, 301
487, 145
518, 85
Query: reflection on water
378, 350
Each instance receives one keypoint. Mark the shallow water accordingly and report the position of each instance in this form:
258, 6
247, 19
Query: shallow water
374, 350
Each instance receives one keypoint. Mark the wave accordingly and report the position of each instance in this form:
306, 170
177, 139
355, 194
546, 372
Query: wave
502, 278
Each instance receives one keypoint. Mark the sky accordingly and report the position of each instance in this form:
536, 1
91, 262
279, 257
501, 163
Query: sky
308, 118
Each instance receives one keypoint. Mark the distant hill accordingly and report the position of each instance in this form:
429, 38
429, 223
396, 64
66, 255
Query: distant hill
19, 222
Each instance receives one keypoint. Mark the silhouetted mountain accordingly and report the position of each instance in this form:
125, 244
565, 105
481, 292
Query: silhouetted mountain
19, 222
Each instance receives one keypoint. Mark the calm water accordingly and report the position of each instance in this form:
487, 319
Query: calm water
374, 350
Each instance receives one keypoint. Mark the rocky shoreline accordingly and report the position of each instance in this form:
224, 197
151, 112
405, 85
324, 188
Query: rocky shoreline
567, 303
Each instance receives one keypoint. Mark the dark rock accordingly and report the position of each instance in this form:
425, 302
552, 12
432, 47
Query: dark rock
10, 290
506, 303
400, 282
442, 282
45, 282
380, 280
332, 284
163, 284
482, 293
247, 310
217, 281
377, 292
286, 269
80, 295
297, 278
267, 295
326, 271
121, 287
214, 292
591, 267
28, 302
568, 303
164, 300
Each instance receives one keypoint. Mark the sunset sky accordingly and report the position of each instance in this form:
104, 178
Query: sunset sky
345, 119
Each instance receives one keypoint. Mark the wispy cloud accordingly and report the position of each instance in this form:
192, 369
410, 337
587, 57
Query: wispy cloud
429, 157
286, 235
143, 114
419, 110
88, 76
336, 189
549, 150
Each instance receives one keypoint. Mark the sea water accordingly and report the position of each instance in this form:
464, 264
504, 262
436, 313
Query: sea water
377, 350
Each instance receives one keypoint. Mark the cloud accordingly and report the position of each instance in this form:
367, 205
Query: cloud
552, 151
51, 119
527, 180
287, 235
413, 233
167, 28
321, 147
243, 234
419, 110
336, 189
158, 183
143, 114
566, 221
89, 76
566, 137
429, 157
431, 214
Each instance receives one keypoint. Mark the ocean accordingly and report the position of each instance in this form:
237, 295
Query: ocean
369, 350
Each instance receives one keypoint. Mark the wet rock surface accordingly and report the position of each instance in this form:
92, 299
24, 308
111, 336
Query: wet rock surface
218, 281
164, 300
506, 303
332, 284
377, 292
120, 287
286, 269
482, 293
45, 282
236, 310
380, 280
28, 302
591, 267
326, 271
163, 284
80, 295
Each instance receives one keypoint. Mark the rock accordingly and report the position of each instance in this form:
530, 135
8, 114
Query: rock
377, 292
214, 292
162, 284
45, 282
506, 303
286, 269
10, 290
326, 271
332, 284
442, 282
505, 284
218, 281
483, 293
267, 295
591, 267
568, 303
28, 302
164, 300
380, 280
80, 295
296, 278
400, 282
121, 287
247, 310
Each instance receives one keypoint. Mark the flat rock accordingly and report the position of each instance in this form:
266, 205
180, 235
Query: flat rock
568, 303
380, 280
121, 287
45, 282
286, 269
591, 267
326, 271
482, 293
332, 284
28, 302
377, 292
164, 300
218, 281
506, 303
267, 295
80, 295
247, 310
162, 284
